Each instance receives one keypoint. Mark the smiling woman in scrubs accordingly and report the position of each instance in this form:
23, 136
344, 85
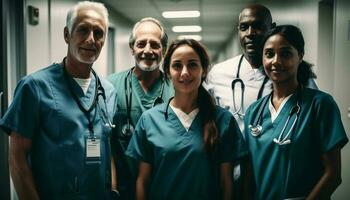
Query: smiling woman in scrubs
296, 150
186, 146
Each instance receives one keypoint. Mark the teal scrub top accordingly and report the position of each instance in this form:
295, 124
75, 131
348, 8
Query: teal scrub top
44, 110
292, 170
141, 101
181, 168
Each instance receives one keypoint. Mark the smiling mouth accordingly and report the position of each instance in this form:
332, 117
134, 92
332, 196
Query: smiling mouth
277, 71
148, 58
88, 49
250, 45
186, 82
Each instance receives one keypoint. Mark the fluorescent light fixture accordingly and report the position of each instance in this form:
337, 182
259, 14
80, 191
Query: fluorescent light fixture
181, 14
178, 29
195, 37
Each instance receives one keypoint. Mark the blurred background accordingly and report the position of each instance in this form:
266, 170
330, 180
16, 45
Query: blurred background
32, 38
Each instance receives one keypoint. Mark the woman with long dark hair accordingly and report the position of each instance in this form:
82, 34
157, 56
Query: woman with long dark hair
186, 147
295, 134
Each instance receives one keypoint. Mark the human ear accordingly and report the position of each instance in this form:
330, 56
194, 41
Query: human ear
132, 50
204, 74
301, 56
66, 34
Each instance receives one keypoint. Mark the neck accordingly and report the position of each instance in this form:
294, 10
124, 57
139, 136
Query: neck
254, 62
146, 79
282, 90
185, 102
77, 69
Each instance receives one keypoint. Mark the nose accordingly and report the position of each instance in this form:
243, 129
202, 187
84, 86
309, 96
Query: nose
184, 71
90, 38
147, 49
251, 31
276, 60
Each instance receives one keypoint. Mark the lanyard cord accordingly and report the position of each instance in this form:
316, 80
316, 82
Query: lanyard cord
76, 99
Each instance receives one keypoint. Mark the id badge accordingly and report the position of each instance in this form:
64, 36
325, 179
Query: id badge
92, 150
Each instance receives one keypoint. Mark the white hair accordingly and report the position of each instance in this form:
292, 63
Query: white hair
163, 37
86, 5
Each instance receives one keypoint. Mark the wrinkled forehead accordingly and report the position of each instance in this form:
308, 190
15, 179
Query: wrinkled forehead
250, 15
148, 30
89, 16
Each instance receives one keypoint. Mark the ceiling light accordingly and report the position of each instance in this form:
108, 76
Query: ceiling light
181, 14
195, 37
178, 29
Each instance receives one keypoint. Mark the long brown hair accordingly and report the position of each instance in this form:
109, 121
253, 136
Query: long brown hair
205, 102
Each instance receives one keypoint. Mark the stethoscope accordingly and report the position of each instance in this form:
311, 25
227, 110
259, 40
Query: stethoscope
240, 110
128, 128
256, 128
99, 91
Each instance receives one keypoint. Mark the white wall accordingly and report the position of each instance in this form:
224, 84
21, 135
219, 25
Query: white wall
45, 42
341, 84
38, 41
123, 28
230, 50
325, 66
303, 14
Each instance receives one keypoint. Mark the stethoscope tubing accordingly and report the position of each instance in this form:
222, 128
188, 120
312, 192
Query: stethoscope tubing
128, 100
240, 111
294, 110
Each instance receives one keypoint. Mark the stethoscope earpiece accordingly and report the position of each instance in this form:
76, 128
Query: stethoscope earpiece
281, 143
110, 125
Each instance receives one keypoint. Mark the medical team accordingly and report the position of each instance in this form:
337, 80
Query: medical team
152, 134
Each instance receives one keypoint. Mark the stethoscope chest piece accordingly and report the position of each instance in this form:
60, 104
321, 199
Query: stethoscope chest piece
255, 130
127, 130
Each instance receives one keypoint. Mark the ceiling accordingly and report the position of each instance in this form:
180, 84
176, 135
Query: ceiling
218, 18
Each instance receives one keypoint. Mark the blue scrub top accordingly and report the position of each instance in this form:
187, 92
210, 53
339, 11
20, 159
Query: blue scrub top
292, 170
141, 101
181, 167
44, 110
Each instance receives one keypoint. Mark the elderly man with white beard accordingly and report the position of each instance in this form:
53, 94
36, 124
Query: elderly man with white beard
139, 88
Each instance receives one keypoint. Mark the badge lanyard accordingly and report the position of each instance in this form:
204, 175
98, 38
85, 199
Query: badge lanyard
92, 142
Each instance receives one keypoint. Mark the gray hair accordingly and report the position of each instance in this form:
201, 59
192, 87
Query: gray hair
163, 38
86, 5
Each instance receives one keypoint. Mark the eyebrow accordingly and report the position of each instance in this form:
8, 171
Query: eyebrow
286, 48
193, 60
282, 48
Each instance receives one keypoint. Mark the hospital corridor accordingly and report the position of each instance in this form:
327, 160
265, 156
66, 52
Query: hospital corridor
90, 99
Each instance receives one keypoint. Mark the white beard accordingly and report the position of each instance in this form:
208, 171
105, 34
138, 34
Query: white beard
147, 68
